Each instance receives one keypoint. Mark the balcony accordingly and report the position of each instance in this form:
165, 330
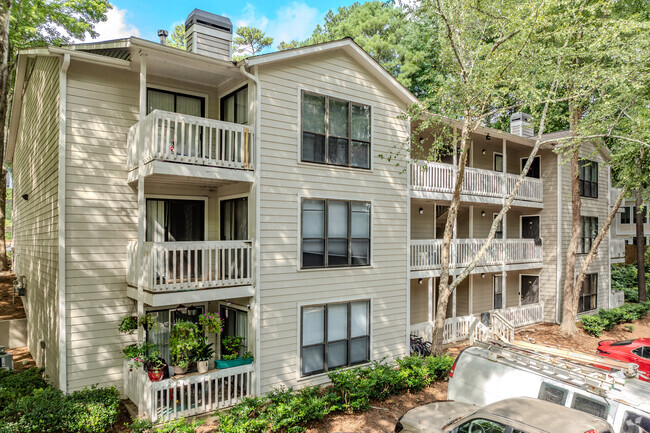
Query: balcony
173, 144
436, 180
516, 254
187, 395
210, 269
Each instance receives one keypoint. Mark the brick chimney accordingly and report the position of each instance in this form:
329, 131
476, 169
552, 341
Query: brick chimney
208, 34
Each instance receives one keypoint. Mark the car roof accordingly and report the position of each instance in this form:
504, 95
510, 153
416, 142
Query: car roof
544, 415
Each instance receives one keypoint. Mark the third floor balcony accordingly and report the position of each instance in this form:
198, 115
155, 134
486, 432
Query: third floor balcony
436, 180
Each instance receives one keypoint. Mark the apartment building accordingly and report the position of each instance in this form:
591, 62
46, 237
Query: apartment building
623, 231
151, 179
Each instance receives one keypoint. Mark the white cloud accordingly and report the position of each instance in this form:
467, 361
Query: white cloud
116, 26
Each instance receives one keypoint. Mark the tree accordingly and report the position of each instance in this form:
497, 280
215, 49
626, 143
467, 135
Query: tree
249, 41
288, 45
177, 38
25, 23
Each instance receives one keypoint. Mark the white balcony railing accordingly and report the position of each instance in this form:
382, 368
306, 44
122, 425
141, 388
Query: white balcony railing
174, 266
618, 248
188, 395
466, 327
438, 177
425, 254
190, 139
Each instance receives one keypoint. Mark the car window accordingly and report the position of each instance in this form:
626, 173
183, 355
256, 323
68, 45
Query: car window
635, 423
643, 352
553, 393
590, 406
480, 425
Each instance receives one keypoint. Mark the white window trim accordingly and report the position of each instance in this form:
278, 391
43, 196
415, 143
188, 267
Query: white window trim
181, 197
232, 197
323, 301
301, 196
336, 95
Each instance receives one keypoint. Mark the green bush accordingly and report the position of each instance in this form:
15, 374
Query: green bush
286, 410
593, 325
180, 425
631, 294
624, 276
30, 404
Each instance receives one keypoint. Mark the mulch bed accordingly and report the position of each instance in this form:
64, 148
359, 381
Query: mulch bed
8, 309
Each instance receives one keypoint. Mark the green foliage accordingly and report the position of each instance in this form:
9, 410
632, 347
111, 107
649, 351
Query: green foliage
624, 276
211, 322
128, 325
593, 325
47, 409
183, 340
180, 425
287, 410
249, 41
147, 321
144, 353
177, 37
629, 328
203, 352
605, 320
15, 385
631, 294
233, 345
288, 45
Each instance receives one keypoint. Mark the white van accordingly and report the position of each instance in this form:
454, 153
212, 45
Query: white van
481, 377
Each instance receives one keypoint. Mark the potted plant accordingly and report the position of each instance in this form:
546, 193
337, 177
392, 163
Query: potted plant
183, 340
211, 322
203, 356
155, 367
233, 345
147, 321
139, 353
128, 325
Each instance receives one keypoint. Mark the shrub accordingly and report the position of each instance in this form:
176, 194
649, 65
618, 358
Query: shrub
180, 425
15, 384
439, 366
631, 294
593, 325
624, 276
93, 410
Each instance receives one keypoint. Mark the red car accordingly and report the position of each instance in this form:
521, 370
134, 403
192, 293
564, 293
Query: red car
634, 351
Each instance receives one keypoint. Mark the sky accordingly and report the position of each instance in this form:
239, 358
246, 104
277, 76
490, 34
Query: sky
283, 20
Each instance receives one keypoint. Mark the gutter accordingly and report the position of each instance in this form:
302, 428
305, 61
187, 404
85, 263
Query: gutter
63, 336
558, 270
256, 242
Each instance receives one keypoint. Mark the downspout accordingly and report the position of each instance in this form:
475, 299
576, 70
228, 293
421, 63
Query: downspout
558, 271
256, 241
63, 333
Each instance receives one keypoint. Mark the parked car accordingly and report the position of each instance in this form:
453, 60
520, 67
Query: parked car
481, 377
635, 351
514, 415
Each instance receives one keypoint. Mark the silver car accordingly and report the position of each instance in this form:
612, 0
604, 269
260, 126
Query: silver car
514, 415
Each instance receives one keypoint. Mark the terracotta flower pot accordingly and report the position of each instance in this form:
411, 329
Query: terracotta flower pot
202, 366
179, 370
155, 374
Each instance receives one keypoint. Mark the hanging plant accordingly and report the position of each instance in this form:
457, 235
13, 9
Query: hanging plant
128, 325
211, 322
147, 321
140, 354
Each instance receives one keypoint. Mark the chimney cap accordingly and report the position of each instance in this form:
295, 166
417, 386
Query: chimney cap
218, 22
163, 33
521, 116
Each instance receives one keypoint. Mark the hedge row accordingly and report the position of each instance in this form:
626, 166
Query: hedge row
352, 389
607, 319
624, 278
28, 404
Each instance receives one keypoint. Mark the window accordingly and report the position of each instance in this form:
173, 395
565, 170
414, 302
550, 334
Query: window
482, 425
499, 232
234, 107
588, 300
174, 102
644, 212
497, 302
498, 162
625, 215
335, 132
588, 232
643, 351
635, 423
159, 334
335, 233
588, 178
590, 406
535, 168
235, 322
552, 393
334, 335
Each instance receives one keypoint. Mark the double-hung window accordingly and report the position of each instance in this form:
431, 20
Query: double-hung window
335, 132
334, 335
625, 215
588, 300
588, 178
335, 233
588, 232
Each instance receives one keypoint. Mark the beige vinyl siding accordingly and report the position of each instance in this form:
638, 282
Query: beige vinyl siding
419, 300
284, 180
462, 298
36, 220
548, 231
101, 217
422, 225
596, 207
482, 292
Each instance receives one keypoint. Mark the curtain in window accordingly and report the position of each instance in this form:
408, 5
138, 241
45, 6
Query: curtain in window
160, 101
160, 333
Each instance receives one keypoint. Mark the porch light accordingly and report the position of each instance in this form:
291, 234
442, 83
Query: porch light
421, 211
483, 275
484, 151
25, 197
482, 213
421, 140
420, 281
487, 137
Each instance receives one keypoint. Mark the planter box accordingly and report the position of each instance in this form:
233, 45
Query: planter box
221, 364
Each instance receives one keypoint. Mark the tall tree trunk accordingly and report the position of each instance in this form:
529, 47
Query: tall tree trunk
640, 246
568, 326
5, 12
